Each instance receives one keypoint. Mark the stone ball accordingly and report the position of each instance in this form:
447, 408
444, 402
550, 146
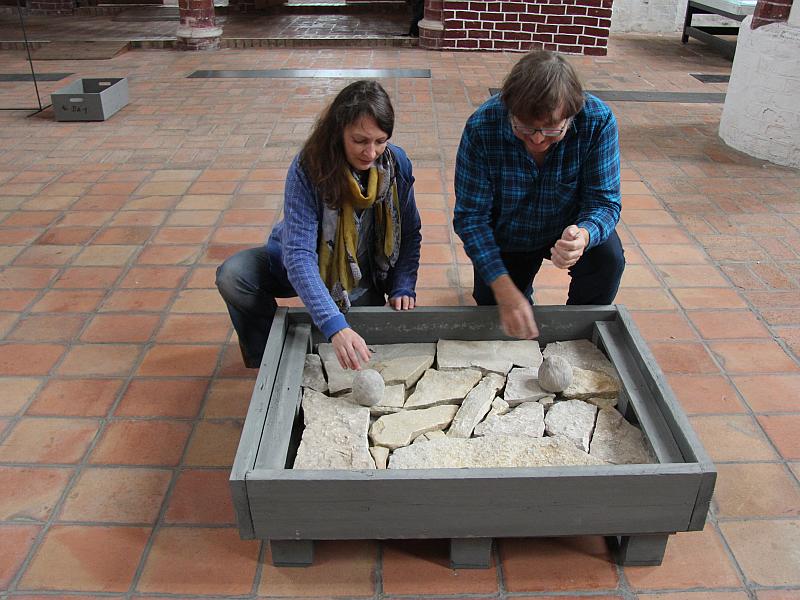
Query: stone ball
368, 387
555, 374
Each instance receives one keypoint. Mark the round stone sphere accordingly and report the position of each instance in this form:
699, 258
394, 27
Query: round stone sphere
368, 387
555, 374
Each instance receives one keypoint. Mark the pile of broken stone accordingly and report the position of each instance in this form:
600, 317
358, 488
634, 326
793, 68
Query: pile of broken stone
466, 404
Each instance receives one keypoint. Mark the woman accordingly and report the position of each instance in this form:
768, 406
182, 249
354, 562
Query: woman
350, 233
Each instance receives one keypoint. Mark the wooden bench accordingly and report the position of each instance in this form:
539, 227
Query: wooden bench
732, 9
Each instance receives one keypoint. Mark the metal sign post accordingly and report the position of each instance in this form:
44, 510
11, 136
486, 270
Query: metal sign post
30, 63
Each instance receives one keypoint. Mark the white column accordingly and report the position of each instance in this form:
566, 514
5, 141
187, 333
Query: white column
761, 116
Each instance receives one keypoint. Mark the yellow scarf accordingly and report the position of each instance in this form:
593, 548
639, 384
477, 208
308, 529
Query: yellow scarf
338, 260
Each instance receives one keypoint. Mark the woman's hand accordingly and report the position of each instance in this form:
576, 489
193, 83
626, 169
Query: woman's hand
350, 348
402, 302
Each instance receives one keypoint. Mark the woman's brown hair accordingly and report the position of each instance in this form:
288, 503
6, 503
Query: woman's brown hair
323, 156
543, 86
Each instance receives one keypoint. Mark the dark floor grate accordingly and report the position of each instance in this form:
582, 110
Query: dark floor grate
711, 77
29, 77
631, 96
322, 73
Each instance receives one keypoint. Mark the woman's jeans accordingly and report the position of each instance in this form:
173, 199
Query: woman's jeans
595, 277
249, 281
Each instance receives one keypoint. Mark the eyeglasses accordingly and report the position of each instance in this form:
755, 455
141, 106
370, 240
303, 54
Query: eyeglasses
545, 131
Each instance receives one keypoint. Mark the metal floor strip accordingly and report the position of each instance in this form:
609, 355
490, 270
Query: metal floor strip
322, 73
5, 77
711, 77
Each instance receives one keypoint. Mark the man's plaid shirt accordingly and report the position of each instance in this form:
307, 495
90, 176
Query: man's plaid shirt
504, 202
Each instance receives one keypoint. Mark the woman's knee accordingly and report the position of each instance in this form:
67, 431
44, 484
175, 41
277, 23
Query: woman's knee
233, 275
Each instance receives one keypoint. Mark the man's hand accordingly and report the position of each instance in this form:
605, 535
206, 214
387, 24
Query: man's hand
568, 250
516, 313
402, 303
350, 348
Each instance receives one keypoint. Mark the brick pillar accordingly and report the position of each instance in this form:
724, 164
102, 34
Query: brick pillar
431, 28
51, 7
198, 28
771, 11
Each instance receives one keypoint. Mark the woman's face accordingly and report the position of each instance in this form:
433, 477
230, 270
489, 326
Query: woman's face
364, 141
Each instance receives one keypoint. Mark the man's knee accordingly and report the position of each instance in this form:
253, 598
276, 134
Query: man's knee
609, 257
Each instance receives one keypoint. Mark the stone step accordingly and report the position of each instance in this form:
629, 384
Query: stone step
128, 3
343, 7
316, 42
321, 42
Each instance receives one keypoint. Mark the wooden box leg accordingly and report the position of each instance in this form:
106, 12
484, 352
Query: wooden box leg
645, 550
470, 553
292, 553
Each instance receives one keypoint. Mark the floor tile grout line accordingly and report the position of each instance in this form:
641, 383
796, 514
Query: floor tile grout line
727, 377
79, 467
725, 373
378, 590
500, 576
443, 171
180, 466
179, 469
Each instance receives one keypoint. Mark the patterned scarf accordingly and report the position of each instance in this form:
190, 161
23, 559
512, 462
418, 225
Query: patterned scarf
338, 262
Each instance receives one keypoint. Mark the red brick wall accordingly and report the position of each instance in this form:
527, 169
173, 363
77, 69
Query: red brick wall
770, 11
567, 26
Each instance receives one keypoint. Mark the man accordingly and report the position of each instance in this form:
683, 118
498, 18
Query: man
537, 176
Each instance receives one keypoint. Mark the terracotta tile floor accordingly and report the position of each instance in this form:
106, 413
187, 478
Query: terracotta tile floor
121, 392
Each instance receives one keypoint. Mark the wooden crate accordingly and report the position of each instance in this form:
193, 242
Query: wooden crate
636, 506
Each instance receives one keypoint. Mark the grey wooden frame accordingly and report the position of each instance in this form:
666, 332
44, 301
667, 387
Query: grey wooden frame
636, 506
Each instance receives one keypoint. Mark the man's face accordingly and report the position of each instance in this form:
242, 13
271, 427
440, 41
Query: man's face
539, 135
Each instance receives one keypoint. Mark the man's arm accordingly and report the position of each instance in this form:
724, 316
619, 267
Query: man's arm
471, 221
472, 214
600, 185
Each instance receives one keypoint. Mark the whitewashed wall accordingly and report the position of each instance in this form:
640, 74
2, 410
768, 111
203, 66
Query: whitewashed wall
761, 115
656, 16
652, 16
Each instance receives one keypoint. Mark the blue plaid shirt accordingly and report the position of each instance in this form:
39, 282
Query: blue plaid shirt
505, 202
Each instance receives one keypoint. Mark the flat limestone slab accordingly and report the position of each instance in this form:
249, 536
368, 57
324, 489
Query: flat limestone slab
404, 370
341, 380
617, 441
442, 387
526, 420
582, 354
490, 452
574, 420
476, 405
523, 386
335, 434
496, 356
313, 376
400, 429
591, 384
394, 396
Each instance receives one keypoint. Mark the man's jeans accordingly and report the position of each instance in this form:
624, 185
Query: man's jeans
595, 277
249, 281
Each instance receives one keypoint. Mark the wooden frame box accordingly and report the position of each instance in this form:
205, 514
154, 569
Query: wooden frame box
636, 506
